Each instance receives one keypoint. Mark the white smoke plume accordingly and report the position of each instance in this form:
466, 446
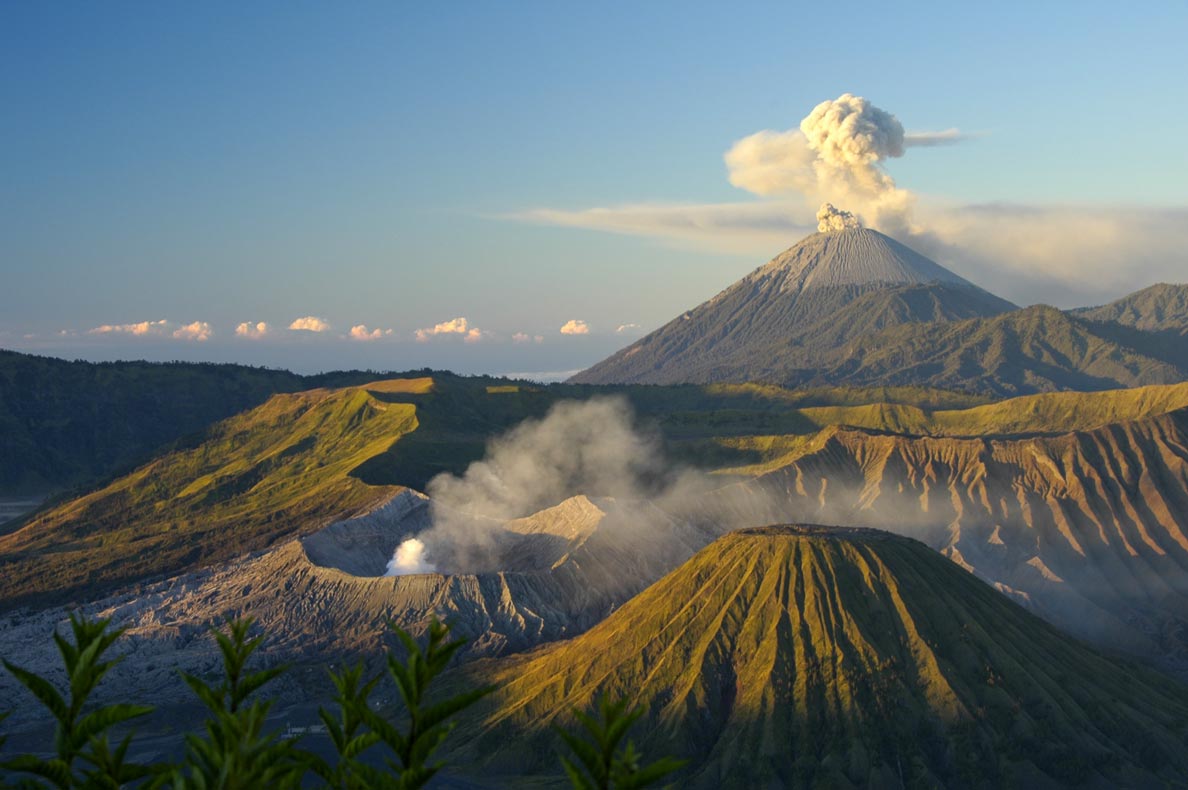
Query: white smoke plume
593, 448
831, 219
836, 155
409, 558
587, 447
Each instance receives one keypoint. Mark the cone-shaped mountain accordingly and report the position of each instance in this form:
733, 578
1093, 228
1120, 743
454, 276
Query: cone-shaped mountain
822, 657
815, 296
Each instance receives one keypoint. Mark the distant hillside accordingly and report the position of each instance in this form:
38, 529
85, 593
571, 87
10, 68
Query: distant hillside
855, 308
70, 423
1158, 308
815, 657
1037, 349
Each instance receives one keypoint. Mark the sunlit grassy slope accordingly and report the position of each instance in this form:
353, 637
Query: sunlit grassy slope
68, 423
272, 471
1049, 413
809, 657
301, 460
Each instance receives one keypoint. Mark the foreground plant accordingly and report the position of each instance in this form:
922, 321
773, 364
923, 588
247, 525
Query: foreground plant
348, 732
360, 727
84, 756
235, 751
601, 764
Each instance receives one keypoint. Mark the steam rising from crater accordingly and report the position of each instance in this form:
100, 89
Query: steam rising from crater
409, 558
593, 448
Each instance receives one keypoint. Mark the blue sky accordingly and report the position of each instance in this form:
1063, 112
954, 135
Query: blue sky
379, 164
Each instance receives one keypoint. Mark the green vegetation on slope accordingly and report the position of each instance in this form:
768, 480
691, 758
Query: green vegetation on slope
813, 657
799, 431
71, 423
283, 468
302, 460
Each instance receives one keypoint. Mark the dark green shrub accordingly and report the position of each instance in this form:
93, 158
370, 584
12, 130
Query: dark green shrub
83, 756
601, 764
235, 751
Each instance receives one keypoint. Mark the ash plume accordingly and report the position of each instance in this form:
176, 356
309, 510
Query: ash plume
830, 219
836, 155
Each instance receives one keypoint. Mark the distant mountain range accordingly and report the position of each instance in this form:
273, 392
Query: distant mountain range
855, 307
814, 657
1160, 308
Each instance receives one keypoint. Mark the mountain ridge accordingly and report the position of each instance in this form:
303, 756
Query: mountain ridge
828, 311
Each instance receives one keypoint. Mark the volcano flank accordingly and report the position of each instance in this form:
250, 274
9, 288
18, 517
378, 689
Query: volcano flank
796, 656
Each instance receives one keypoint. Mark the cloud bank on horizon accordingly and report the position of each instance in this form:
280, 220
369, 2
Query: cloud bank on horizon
198, 331
837, 155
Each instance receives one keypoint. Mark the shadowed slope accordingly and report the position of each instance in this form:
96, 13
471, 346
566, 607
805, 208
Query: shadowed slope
1037, 349
1159, 308
798, 657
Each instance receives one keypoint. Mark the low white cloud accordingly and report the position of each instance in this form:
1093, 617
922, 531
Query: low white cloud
933, 139
198, 331
310, 323
253, 331
575, 326
1063, 255
748, 228
521, 337
139, 329
361, 332
455, 326
625, 328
